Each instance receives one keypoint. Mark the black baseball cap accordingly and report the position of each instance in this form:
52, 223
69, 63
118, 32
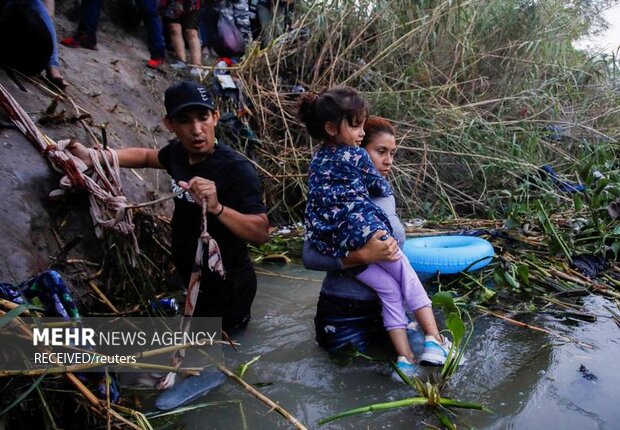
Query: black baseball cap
185, 94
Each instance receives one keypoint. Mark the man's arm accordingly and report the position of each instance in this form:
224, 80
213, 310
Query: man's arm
249, 227
139, 157
128, 157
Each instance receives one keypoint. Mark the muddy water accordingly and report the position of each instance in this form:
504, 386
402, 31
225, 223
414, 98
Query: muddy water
529, 379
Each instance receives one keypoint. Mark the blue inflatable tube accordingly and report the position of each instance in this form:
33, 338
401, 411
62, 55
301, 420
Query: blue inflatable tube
447, 254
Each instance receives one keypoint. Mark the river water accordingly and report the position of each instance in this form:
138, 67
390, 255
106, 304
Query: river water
529, 379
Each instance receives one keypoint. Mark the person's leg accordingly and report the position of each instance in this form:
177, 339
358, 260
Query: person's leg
176, 39
89, 19
425, 317
230, 299
154, 29
394, 318
341, 322
399, 339
53, 68
412, 289
241, 15
51, 7
190, 22
436, 346
191, 35
40, 9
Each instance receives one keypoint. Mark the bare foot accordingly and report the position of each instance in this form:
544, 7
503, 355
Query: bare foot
55, 77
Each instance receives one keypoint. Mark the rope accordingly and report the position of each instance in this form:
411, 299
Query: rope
107, 203
215, 264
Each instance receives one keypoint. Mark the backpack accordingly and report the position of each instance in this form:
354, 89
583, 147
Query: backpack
25, 41
222, 34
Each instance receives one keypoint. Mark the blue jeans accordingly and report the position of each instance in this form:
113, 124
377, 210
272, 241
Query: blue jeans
39, 8
154, 28
89, 18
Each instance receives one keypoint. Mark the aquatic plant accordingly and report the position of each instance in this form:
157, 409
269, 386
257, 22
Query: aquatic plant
429, 392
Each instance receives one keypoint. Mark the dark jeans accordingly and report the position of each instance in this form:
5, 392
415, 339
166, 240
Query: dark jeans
230, 298
340, 322
154, 28
89, 18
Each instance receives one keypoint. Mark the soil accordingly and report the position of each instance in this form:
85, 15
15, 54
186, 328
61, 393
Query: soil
116, 88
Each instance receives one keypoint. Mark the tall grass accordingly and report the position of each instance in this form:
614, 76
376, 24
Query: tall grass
472, 87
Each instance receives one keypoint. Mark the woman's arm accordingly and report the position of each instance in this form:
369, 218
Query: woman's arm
375, 250
314, 260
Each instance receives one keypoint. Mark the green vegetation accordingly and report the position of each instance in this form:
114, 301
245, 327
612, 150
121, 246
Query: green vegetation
482, 94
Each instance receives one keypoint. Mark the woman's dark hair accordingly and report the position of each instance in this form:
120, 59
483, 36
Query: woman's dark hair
335, 105
374, 126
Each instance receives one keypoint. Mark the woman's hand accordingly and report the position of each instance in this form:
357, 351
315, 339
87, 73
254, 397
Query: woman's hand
203, 189
374, 251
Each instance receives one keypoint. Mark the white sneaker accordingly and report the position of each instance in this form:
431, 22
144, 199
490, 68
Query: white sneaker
406, 367
179, 65
435, 353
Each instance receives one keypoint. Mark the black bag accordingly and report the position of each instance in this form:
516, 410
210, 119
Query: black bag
25, 41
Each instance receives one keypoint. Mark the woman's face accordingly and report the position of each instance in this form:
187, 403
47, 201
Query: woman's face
381, 150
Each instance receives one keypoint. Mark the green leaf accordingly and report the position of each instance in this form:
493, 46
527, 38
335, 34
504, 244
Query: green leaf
615, 247
523, 273
244, 367
578, 201
486, 294
498, 277
616, 230
456, 327
585, 175
511, 281
600, 186
443, 299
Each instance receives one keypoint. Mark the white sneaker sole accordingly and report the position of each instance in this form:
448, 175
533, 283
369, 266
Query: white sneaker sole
432, 359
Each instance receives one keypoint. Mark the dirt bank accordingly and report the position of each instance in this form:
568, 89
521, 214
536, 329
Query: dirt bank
115, 87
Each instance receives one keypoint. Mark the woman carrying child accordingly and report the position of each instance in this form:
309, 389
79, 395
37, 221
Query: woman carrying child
341, 217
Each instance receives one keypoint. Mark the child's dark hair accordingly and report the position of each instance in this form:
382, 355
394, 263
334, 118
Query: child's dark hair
335, 105
374, 126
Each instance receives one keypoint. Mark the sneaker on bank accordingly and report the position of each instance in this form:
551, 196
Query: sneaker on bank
179, 65
406, 367
435, 353
155, 63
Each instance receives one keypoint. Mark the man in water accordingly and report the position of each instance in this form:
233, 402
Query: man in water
212, 172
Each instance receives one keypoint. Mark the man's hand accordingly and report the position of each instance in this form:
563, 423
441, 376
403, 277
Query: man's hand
203, 189
80, 151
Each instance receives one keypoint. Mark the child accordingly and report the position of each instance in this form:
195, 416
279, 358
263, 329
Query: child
340, 217
182, 18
